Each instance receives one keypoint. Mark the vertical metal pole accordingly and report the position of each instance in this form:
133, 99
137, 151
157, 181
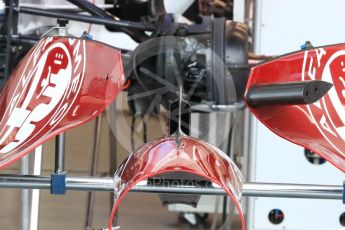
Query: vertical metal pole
215, 218
250, 151
15, 18
35, 197
250, 122
60, 153
8, 39
62, 31
113, 151
25, 202
94, 164
60, 139
232, 148
224, 209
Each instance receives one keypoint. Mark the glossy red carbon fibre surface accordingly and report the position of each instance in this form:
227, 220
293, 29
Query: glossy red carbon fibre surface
193, 156
320, 127
60, 84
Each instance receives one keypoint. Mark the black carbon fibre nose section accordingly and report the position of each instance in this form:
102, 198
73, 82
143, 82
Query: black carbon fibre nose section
291, 93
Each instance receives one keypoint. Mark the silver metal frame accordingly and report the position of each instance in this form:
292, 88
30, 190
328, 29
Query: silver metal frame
334, 192
107, 183
93, 171
25, 196
35, 194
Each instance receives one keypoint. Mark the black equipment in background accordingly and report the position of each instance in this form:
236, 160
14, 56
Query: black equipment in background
209, 59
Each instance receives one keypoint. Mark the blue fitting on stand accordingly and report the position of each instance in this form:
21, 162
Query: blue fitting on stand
58, 184
88, 36
303, 47
306, 45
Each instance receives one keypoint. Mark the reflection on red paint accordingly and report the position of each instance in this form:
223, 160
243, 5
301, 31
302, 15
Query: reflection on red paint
60, 84
192, 156
319, 127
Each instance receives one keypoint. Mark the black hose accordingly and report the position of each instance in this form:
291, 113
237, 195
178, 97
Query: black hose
91, 8
8, 40
94, 10
88, 19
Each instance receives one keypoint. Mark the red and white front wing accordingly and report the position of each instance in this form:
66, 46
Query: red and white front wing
60, 84
319, 127
64, 82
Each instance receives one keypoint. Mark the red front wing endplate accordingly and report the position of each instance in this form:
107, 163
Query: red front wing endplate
60, 84
319, 127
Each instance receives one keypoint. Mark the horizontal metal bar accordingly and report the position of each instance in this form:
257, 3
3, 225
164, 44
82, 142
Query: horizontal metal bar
249, 189
293, 190
61, 7
90, 183
256, 190
179, 189
24, 182
218, 108
85, 18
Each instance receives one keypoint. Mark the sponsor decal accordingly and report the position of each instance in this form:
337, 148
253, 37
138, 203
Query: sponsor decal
328, 114
48, 87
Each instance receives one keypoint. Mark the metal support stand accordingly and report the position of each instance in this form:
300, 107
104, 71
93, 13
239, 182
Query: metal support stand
344, 192
30, 199
25, 202
94, 164
60, 153
8, 39
58, 178
106, 184
35, 196
112, 150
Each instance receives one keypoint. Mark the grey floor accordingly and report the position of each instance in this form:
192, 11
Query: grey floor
138, 211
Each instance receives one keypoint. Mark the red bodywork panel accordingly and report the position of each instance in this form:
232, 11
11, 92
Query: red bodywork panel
60, 84
319, 127
192, 156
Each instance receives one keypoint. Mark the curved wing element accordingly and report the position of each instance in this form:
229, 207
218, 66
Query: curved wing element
192, 156
318, 126
60, 84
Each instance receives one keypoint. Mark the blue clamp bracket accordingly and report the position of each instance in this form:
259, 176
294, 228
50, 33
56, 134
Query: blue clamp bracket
58, 184
306, 45
88, 36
